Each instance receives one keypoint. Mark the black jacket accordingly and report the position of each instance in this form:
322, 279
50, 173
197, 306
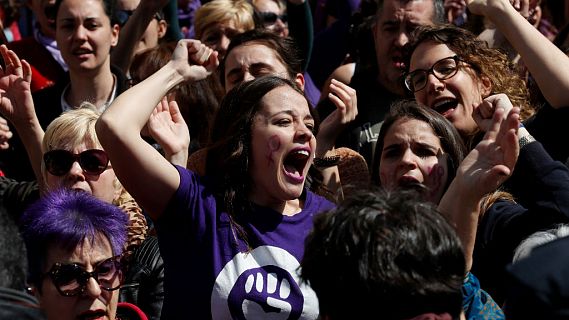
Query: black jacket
144, 281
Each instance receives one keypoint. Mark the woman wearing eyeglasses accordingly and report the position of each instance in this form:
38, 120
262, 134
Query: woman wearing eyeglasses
75, 245
273, 15
70, 156
459, 76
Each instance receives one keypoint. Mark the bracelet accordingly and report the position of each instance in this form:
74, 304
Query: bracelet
525, 140
326, 162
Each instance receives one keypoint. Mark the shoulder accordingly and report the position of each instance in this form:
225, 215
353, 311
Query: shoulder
344, 73
317, 203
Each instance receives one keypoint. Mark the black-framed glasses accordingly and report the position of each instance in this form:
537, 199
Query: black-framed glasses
93, 161
443, 69
269, 18
70, 279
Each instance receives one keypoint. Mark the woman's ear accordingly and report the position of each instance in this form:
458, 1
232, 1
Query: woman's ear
115, 30
162, 27
299, 79
485, 86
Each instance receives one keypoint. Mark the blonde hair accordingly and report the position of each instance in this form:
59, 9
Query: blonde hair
219, 11
73, 128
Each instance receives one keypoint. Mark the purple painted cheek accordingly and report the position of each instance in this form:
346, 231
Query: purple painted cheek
274, 144
436, 174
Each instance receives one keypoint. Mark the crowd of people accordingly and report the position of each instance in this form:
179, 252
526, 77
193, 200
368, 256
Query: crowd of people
299, 159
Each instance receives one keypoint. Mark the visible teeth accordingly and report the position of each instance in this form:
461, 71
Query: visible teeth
441, 102
302, 152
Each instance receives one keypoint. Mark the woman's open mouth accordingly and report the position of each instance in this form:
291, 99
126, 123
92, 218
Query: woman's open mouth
295, 163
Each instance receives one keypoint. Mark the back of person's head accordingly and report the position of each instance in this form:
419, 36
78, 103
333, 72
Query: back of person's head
539, 238
284, 47
438, 6
240, 12
65, 218
451, 142
538, 286
384, 254
13, 263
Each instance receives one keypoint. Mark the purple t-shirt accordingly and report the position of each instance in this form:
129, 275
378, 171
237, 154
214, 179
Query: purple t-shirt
208, 274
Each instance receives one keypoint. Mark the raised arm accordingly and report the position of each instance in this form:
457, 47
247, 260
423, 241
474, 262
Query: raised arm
483, 170
132, 31
17, 105
548, 65
150, 178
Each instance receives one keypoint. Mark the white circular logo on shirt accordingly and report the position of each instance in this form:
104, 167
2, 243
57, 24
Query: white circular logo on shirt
262, 284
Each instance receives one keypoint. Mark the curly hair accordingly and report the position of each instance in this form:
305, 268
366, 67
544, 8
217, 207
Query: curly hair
485, 61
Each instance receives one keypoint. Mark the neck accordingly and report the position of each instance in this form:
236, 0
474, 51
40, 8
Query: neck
96, 88
285, 207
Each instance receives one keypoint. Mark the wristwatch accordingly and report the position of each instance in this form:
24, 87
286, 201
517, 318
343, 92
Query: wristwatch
527, 139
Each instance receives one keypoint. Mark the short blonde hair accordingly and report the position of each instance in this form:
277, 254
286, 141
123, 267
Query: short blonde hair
216, 11
70, 129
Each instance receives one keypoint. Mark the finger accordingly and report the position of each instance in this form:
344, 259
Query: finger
497, 120
165, 104
524, 8
486, 109
27, 70
173, 107
346, 93
337, 102
16, 63
3, 52
205, 56
192, 46
213, 61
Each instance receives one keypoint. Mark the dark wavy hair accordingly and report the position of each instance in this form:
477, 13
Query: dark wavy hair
451, 141
65, 218
229, 148
384, 253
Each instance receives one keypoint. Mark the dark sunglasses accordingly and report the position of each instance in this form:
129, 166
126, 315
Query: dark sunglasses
123, 15
71, 279
92, 161
271, 17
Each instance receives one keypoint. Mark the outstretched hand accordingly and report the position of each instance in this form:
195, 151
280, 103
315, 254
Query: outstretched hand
492, 161
194, 60
16, 103
167, 126
346, 101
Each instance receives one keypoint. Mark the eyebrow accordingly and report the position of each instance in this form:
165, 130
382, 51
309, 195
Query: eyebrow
291, 113
416, 143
